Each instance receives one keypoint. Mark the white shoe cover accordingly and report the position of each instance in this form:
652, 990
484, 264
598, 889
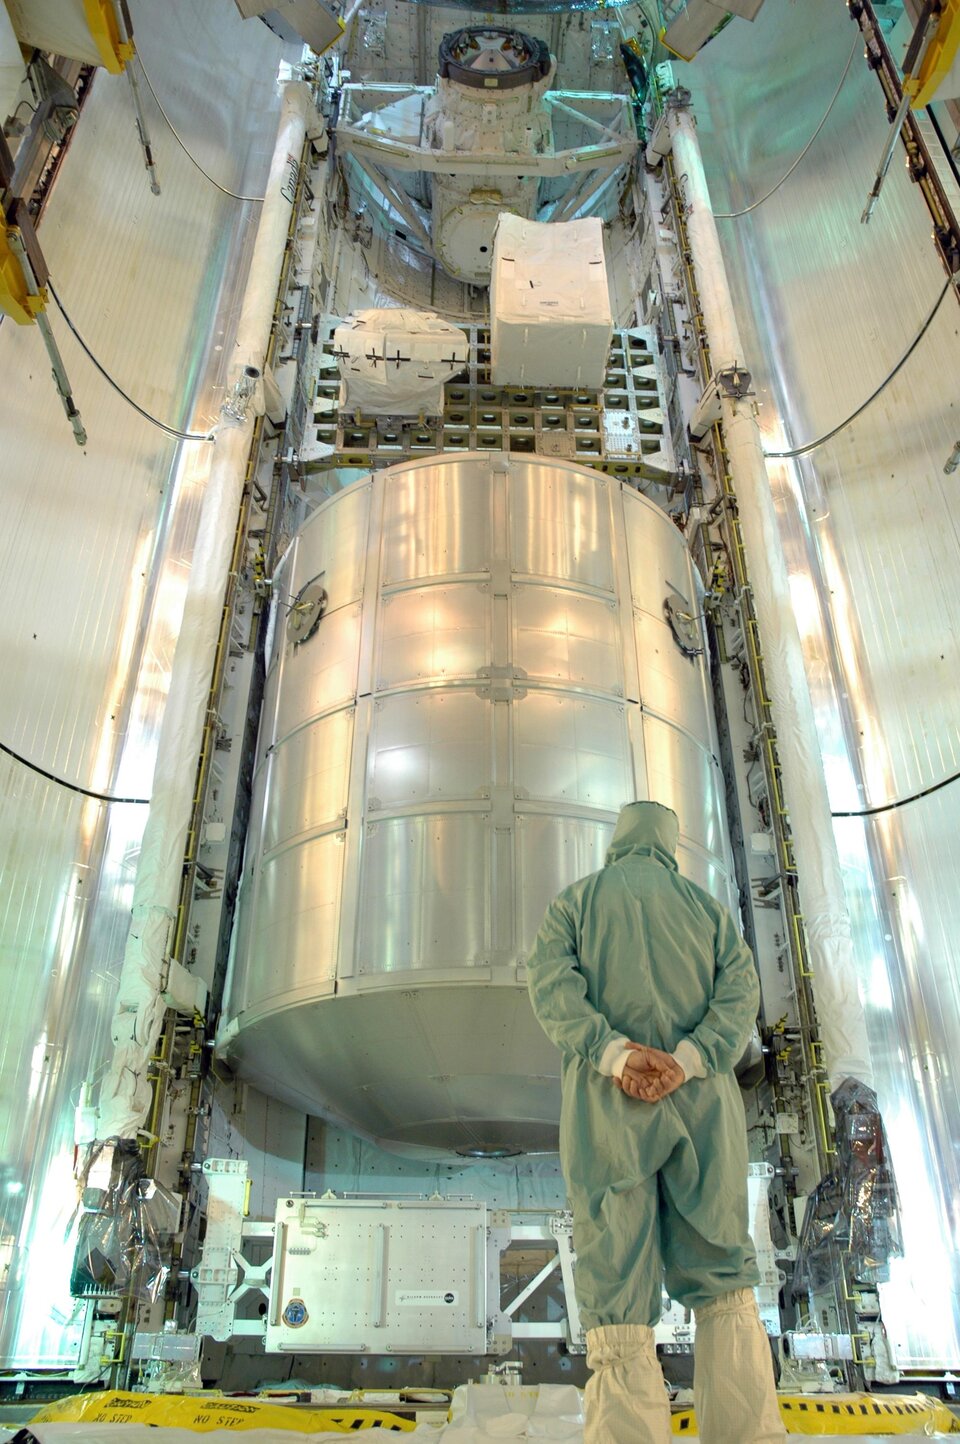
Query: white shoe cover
733, 1388
625, 1401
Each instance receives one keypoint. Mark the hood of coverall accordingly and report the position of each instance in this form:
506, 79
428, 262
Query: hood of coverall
646, 827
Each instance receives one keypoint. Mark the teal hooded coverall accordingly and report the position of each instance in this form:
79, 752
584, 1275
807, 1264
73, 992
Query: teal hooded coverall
658, 1190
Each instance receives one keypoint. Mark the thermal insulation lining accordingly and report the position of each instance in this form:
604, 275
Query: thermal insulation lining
869, 523
86, 701
12, 69
61, 26
311, 20
692, 26
550, 318
395, 362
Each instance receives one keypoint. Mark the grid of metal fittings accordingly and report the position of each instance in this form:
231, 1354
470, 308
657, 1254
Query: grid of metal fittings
622, 429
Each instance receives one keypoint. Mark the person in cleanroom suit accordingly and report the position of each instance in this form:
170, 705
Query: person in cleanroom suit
643, 982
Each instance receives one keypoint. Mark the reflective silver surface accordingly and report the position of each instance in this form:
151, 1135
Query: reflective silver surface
492, 679
871, 524
94, 548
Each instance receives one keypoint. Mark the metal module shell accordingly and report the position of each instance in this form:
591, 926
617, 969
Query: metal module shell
492, 677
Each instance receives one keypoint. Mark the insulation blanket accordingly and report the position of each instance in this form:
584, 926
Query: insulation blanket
495, 1411
395, 362
126, 1090
550, 318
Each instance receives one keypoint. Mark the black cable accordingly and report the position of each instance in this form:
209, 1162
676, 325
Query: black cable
234, 195
821, 440
62, 782
735, 215
889, 806
170, 430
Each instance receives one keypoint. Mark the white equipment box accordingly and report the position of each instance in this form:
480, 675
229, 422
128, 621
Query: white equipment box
373, 1276
395, 362
550, 318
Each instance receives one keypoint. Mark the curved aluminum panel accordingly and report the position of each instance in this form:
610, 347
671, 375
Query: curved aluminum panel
560, 526
492, 679
436, 522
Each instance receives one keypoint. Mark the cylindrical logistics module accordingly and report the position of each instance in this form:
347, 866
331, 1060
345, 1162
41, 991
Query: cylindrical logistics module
475, 661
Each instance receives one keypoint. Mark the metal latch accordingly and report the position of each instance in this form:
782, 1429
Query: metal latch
733, 382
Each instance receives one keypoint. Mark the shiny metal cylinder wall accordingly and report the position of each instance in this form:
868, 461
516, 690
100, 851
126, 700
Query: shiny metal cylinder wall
492, 678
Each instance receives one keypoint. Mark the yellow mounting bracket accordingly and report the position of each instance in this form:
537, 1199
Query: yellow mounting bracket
16, 300
113, 50
937, 58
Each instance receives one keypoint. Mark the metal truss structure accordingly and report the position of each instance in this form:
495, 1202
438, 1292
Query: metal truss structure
622, 430
373, 1275
360, 135
405, 1275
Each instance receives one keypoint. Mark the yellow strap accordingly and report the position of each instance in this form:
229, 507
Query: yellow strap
214, 1411
851, 1414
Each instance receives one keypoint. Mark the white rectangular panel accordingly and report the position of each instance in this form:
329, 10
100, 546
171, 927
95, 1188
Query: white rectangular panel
705, 870
293, 941
352, 1275
658, 557
333, 546
682, 775
552, 852
320, 674
672, 685
280, 599
690, 30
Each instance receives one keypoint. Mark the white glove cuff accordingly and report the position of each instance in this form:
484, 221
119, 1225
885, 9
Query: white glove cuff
611, 1057
621, 1063
688, 1055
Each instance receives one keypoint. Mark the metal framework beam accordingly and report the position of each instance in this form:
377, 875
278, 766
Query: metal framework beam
395, 197
358, 132
399, 155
